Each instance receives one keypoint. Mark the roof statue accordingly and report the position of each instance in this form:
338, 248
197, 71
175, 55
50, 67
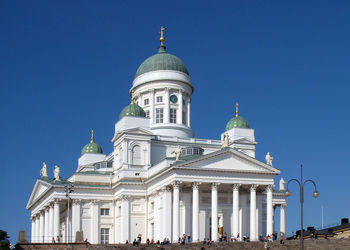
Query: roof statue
43, 171
56, 173
268, 159
282, 184
226, 140
178, 153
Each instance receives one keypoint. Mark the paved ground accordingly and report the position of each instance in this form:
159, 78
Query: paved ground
320, 244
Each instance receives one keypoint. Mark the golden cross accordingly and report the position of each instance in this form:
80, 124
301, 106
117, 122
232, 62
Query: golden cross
236, 109
161, 39
92, 135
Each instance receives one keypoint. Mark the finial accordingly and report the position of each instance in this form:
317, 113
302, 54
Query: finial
92, 136
161, 39
236, 109
132, 96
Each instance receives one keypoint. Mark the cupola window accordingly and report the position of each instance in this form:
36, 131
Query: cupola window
159, 98
159, 116
136, 155
146, 102
172, 115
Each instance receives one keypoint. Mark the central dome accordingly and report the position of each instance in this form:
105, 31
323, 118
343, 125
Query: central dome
161, 61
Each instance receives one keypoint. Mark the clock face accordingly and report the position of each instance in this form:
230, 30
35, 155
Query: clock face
173, 98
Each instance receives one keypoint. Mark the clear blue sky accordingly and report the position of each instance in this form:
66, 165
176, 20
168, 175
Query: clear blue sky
66, 68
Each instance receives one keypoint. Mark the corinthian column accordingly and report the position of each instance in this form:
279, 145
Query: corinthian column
56, 221
51, 222
214, 211
195, 212
46, 225
75, 218
167, 106
176, 211
33, 229
253, 212
269, 210
235, 209
282, 219
41, 227
166, 212
125, 220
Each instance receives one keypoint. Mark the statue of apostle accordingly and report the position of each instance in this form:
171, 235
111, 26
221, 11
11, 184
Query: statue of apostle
178, 153
56, 173
268, 159
282, 184
226, 140
43, 171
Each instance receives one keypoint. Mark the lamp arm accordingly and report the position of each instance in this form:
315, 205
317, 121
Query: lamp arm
311, 182
291, 181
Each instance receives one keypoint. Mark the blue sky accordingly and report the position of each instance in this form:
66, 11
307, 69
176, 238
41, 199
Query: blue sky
66, 68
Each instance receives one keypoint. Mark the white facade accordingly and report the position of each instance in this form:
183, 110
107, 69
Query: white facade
140, 188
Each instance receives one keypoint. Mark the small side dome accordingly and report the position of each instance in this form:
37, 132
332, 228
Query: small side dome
132, 109
92, 147
237, 121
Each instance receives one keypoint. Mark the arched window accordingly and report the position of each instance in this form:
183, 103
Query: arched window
136, 155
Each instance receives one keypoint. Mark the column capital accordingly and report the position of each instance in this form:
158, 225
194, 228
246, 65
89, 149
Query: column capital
269, 188
76, 201
215, 185
283, 205
57, 200
47, 208
176, 184
236, 186
253, 187
166, 189
94, 202
125, 197
195, 185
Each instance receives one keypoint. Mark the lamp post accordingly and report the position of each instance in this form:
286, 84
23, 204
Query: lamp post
315, 195
69, 188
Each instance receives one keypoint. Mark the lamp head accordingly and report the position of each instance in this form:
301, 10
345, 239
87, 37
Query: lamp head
287, 193
315, 194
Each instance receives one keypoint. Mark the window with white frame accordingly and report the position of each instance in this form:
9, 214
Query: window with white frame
184, 117
104, 235
159, 115
136, 155
104, 211
147, 113
159, 98
146, 101
172, 115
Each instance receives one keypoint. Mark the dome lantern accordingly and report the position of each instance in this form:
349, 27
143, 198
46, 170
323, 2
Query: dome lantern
237, 121
92, 147
132, 109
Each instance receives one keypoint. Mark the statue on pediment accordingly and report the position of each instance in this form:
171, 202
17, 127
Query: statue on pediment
178, 153
225, 140
282, 184
56, 173
43, 171
268, 159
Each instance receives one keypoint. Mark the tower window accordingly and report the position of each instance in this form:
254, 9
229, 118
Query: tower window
159, 98
146, 101
104, 235
184, 117
136, 155
147, 114
159, 115
172, 115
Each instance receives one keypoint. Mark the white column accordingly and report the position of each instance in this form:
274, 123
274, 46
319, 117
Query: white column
186, 219
94, 233
179, 115
75, 218
189, 112
37, 228
167, 106
235, 209
156, 216
124, 220
166, 213
195, 212
51, 222
46, 225
269, 210
253, 212
41, 227
214, 212
151, 107
282, 219
33, 230
125, 154
176, 211
56, 219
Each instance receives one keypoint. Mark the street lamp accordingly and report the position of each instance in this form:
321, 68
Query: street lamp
69, 188
315, 194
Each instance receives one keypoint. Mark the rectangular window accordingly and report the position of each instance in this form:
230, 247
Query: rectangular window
104, 235
159, 115
146, 102
172, 115
184, 117
147, 114
104, 211
159, 98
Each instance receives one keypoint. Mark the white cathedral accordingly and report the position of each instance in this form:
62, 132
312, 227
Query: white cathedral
159, 181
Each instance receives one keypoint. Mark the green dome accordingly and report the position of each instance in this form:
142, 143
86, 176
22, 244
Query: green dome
161, 61
237, 122
132, 110
92, 147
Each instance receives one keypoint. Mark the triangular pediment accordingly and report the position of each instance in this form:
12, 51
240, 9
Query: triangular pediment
40, 188
133, 131
228, 159
244, 141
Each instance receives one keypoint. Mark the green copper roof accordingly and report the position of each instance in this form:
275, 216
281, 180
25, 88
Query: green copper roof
237, 122
132, 110
161, 61
92, 147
